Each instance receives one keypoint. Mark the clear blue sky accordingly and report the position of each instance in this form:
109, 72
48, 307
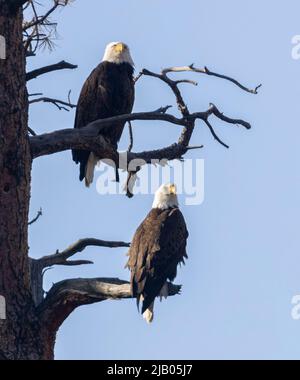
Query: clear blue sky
244, 257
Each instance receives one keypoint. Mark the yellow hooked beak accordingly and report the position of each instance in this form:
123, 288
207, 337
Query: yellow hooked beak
172, 189
119, 48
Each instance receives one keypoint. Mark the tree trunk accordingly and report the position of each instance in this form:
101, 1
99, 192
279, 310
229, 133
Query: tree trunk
21, 334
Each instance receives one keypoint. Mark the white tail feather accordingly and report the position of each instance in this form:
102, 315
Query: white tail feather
149, 314
90, 167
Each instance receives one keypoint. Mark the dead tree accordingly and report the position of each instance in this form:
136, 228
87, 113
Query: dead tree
32, 319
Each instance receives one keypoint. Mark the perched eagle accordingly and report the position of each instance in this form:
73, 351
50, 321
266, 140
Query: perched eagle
108, 91
158, 246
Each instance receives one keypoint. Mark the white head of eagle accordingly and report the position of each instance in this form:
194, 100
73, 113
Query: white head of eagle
158, 246
166, 197
117, 52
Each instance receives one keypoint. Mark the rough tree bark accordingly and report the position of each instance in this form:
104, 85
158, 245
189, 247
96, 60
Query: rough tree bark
21, 334
32, 320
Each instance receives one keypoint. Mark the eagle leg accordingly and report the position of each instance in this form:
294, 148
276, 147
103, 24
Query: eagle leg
117, 173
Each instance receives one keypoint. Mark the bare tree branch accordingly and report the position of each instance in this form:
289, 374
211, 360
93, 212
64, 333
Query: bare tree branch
206, 71
40, 30
67, 295
39, 266
215, 136
172, 152
88, 138
130, 182
35, 94
60, 104
39, 214
63, 65
60, 258
65, 139
174, 87
40, 19
131, 176
130, 137
188, 120
31, 131
72, 263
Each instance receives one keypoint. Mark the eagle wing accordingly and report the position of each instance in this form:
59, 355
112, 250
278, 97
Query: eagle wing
158, 246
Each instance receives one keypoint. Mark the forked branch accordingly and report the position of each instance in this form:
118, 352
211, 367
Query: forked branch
60, 104
206, 71
39, 266
67, 295
61, 258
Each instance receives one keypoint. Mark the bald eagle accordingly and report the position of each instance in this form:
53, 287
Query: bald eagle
107, 92
158, 246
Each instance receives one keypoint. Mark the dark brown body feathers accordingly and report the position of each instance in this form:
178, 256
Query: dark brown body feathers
158, 246
107, 92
